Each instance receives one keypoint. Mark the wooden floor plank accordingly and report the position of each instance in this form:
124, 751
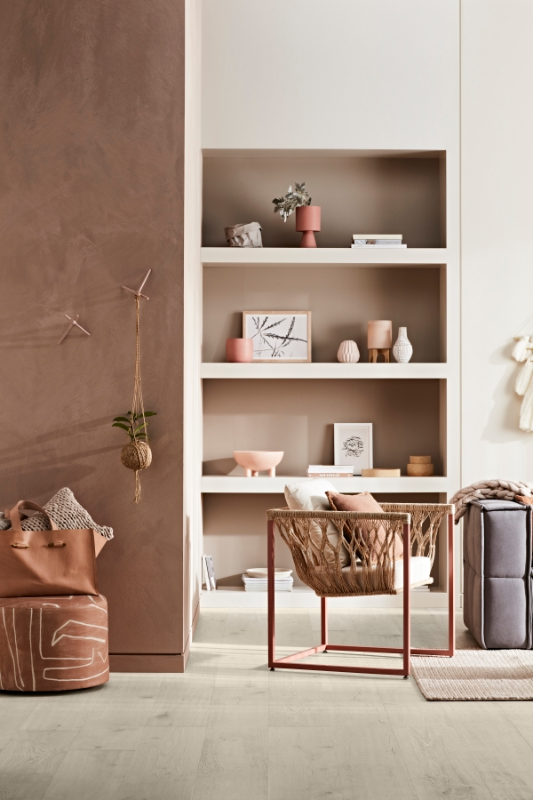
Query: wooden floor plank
229, 728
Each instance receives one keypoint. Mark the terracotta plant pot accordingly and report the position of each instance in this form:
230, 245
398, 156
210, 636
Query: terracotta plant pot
308, 221
240, 351
255, 461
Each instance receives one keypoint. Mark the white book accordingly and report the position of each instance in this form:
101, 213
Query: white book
283, 588
211, 571
331, 467
381, 236
376, 246
329, 474
377, 241
206, 574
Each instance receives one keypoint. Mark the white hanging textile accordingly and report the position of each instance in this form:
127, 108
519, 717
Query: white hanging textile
523, 352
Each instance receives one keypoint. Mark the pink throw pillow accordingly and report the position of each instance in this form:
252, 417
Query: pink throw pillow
365, 504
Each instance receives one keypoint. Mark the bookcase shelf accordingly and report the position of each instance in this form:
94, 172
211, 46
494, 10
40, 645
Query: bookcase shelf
230, 484
324, 371
322, 256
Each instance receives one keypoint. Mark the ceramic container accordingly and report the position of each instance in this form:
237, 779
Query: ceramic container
379, 334
308, 221
240, 351
403, 349
255, 461
348, 352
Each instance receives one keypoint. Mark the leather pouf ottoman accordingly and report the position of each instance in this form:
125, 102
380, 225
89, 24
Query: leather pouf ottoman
50, 644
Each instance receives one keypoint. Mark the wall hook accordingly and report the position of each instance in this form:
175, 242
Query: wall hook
139, 293
73, 323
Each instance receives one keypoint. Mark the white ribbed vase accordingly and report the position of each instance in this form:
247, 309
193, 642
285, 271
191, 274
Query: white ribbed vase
348, 352
403, 349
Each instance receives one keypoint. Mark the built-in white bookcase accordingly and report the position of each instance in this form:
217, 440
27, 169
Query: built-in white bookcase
414, 407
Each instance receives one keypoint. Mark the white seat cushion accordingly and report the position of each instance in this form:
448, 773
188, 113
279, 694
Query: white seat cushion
420, 569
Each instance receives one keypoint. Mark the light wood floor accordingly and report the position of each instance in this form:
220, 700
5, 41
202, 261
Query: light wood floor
230, 729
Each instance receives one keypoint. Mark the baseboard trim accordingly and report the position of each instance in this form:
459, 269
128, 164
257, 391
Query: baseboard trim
196, 617
148, 662
154, 662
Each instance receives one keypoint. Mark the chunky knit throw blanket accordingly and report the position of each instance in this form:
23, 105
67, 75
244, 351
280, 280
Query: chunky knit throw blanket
497, 489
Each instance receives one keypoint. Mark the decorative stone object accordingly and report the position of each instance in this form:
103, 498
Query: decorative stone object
420, 467
403, 349
244, 235
240, 351
348, 352
256, 461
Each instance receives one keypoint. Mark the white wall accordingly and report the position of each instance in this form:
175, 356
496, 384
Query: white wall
334, 74
497, 231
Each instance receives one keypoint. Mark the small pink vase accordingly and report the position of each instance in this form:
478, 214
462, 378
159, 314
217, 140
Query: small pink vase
240, 351
308, 221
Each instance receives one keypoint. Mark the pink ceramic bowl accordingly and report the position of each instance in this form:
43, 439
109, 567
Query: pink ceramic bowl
255, 461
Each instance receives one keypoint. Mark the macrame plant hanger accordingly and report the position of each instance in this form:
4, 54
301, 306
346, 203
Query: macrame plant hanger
137, 454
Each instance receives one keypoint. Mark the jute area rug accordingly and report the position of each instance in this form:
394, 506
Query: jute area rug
476, 675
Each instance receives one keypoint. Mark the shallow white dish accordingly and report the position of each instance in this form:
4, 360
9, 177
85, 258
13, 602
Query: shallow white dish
262, 572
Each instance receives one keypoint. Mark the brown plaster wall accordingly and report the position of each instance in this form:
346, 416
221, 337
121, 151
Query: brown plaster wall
91, 196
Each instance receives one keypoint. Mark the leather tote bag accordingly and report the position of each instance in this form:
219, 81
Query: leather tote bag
45, 563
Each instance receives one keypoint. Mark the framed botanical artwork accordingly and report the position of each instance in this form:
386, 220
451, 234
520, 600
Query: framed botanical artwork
353, 445
279, 336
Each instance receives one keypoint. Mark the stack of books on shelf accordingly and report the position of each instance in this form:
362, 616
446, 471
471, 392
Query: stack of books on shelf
325, 471
378, 240
256, 580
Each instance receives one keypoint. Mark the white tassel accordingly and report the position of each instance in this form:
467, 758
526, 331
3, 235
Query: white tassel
524, 377
520, 351
526, 412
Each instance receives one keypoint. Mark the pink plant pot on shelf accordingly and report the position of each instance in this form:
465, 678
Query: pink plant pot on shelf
240, 351
256, 461
308, 221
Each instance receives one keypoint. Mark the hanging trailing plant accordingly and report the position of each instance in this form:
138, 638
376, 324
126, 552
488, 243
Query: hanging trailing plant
136, 454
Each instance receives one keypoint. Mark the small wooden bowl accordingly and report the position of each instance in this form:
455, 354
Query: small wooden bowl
381, 473
420, 459
420, 470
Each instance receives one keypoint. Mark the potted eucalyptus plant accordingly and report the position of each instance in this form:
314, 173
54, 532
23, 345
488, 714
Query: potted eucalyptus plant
307, 216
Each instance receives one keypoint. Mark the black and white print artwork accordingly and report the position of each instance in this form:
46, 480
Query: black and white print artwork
278, 336
353, 445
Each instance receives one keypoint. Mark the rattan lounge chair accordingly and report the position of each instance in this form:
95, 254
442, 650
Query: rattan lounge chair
373, 569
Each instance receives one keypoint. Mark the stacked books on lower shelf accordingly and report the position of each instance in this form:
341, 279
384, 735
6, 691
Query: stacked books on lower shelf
377, 240
256, 580
325, 471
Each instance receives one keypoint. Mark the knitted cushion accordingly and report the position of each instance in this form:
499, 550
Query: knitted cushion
66, 513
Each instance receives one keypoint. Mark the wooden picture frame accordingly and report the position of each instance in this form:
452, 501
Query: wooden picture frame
353, 445
282, 337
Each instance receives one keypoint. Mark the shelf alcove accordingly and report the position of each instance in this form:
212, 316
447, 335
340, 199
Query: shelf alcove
358, 191
292, 407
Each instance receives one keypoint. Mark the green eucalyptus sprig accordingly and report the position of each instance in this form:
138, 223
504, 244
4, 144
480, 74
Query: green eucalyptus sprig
292, 200
130, 424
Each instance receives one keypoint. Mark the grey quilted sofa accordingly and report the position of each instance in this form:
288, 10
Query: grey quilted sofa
497, 574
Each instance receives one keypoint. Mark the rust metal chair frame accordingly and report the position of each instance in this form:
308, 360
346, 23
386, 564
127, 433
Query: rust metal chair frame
292, 661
